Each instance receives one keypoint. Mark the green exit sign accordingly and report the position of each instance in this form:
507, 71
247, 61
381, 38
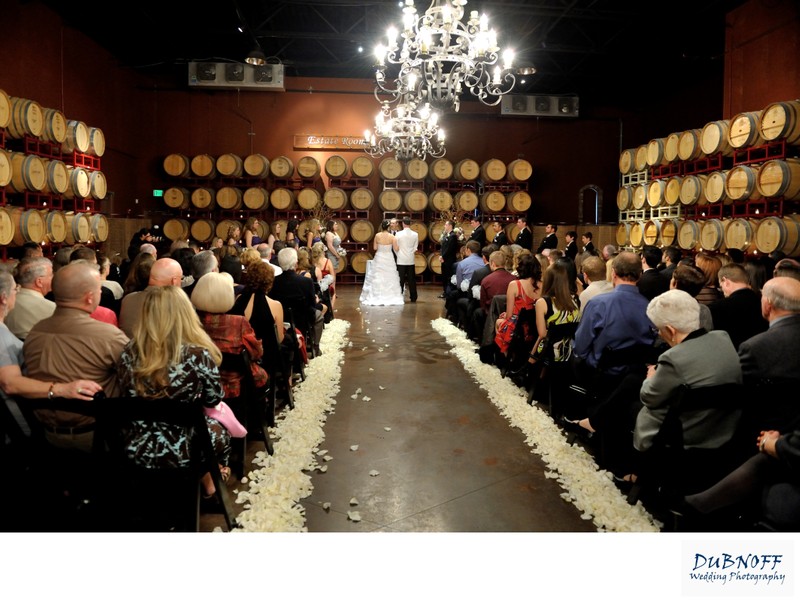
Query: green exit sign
158, 193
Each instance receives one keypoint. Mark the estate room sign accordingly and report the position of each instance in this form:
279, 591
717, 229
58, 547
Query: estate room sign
323, 142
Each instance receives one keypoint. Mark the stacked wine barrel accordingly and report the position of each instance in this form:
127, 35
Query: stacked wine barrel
712, 188
50, 176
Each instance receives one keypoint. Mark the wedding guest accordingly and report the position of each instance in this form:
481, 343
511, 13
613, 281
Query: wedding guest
34, 275
710, 266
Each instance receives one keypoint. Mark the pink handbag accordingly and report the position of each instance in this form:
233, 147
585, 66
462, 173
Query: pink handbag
225, 416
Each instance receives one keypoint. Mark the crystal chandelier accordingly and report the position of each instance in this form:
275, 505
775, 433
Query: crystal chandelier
407, 130
445, 56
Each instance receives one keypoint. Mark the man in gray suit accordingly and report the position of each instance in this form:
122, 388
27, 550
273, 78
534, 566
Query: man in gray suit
774, 356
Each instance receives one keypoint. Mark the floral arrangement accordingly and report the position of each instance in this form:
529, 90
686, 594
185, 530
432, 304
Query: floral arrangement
459, 234
341, 251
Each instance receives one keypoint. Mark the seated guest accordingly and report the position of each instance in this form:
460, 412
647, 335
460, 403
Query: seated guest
466, 306
138, 273
670, 257
691, 280
263, 313
105, 272
696, 359
70, 346
739, 312
213, 298
464, 269
105, 309
765, 486
492, 285
520, 294
652, 282
296, 293
758, 272
594, 275
787, 267
171, 356
35, 278
202, 263
164, 272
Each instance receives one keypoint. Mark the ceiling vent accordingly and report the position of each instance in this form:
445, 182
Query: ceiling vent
526, 105
227, 76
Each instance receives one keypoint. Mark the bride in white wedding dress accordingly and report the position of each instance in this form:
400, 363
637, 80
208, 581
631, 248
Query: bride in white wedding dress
382, 280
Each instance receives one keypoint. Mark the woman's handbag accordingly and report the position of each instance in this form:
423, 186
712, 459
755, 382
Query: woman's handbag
223, 414
504, 333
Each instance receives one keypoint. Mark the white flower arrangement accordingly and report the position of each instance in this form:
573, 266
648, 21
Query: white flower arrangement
590, 489
341, 251
325, 282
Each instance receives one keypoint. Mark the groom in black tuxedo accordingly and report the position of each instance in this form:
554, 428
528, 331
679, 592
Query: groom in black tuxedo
478, 233
449, 255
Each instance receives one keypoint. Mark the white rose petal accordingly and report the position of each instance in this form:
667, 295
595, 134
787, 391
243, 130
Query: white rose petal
354, 516
326, 506
372, 369
323, 469
373, 473
353, 501
354, 448
327, 458
387, 428
365, 398
381, 388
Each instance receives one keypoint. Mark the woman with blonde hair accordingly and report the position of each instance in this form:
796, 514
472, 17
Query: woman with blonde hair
313, 234
248, 256
171, 356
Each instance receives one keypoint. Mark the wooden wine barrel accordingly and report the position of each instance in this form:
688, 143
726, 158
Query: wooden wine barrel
5, 109
29, 226
55, 226
98, 224
79, 229
519, 170
256, 166
715, 188
672, 191
362, 167
281, 199
98, 186
689, 235
651, 232
625, 197
256, 198
390, 200
779, 234
712, 235
640, 158
309, 198
177, 165
493, 170
493, 201
466, 200
362, 199
26, 118
671, 144
77, 137
780, 178
308, 168
204, 166
204, 198
6, 227
655, 192
441, 201
637, 234
655, 152
518, 201
176, 229
623, 234
714, 138
224, 226
229, 197
741, 234
466, 170
390, 169
362, 230
335, 199
740, 185
434, 262
177, 197
781, 120
627, 161
440, 170
421, 230
203, 230
435, 230
27, 173
80, 186
54, 126
56, 178
668, 233
358, 261
342, 265
6, 171
744, 130
420, 263
230, 165
689, 145
416, 169
415, 201
336, 166
639, 196
281, 167
97, 142
693, 190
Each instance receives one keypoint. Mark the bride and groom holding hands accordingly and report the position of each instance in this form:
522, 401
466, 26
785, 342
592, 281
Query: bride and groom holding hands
385, 278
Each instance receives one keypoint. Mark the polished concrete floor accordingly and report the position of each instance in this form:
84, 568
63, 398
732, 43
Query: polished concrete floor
450, 463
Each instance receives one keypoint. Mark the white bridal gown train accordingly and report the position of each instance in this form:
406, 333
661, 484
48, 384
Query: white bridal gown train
382, 281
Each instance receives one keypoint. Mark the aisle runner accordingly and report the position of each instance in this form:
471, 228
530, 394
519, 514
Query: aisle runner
587, 487
275, 489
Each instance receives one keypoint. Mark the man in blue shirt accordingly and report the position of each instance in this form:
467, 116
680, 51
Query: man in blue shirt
464, 269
